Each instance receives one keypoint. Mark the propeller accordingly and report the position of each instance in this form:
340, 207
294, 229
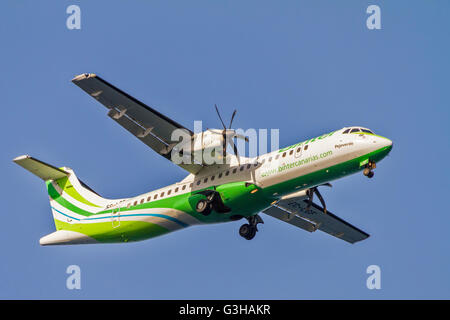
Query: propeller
229, 134
310, 193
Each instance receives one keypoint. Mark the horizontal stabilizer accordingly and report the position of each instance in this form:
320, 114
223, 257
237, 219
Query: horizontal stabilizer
41, 169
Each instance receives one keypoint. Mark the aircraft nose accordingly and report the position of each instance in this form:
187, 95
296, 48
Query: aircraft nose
388, 143
381, 142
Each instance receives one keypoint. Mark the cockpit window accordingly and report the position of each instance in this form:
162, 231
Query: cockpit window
354, 130
366, 130
346, 131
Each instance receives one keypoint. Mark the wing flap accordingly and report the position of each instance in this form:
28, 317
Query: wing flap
294, 210
326, 222
290, 218
148, 125
112, 97
150, 140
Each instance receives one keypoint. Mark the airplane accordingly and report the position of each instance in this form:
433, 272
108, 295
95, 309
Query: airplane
281, 183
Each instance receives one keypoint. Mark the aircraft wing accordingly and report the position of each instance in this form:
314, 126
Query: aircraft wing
148, 125
295, 212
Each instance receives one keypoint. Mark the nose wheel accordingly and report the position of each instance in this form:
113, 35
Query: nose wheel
368, 170
248, 230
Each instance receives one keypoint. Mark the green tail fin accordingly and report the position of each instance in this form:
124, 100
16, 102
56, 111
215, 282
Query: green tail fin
70, 198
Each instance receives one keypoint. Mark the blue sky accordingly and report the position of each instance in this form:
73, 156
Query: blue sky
305, 67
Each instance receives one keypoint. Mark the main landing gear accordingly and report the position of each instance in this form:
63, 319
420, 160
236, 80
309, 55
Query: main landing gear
368, 169
212, 202
204, 207
248, 230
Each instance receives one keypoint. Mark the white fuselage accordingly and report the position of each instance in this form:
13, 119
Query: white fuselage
278, 166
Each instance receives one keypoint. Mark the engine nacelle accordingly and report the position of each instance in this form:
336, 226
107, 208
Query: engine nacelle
205, 147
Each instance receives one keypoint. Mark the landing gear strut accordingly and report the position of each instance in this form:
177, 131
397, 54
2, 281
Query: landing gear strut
368, 169
248, 230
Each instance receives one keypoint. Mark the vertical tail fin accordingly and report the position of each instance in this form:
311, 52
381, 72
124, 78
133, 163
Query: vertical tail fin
71, 200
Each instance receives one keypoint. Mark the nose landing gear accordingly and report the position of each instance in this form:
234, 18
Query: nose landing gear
368, 169
248, 230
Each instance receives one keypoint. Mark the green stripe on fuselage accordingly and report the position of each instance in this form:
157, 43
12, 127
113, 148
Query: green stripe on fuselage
325, 175
68, 188
104, 232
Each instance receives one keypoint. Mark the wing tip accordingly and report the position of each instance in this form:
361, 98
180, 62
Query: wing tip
84, 76
20, 158
365, 237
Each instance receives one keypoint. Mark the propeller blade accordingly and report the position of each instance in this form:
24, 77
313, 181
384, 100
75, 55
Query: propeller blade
231, 142
232, 117
218, 113
316, 191
224, 144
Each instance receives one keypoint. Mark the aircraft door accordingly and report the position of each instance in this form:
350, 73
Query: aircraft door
115, 217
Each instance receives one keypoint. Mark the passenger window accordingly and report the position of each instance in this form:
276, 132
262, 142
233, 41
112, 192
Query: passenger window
346, 131
149, 198
168, 192
284, 154
291, 152
234, 170
206, 180
241, 168
220, 175
354, 130
183, 187
212, 178
176, 189
248, 166
142, 201
155, 197
128, 205
190, 185
135, 203
198, 182
306, 147
277, 156
299, 149
162, 194
227, 173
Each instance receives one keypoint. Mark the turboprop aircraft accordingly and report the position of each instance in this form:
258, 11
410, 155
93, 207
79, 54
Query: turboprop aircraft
281, 183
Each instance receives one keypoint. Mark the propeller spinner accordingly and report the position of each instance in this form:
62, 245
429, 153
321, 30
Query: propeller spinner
229, 134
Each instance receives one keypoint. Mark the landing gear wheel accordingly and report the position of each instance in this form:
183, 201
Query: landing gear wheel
247, 231
203, 207
368, 169
244, 230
